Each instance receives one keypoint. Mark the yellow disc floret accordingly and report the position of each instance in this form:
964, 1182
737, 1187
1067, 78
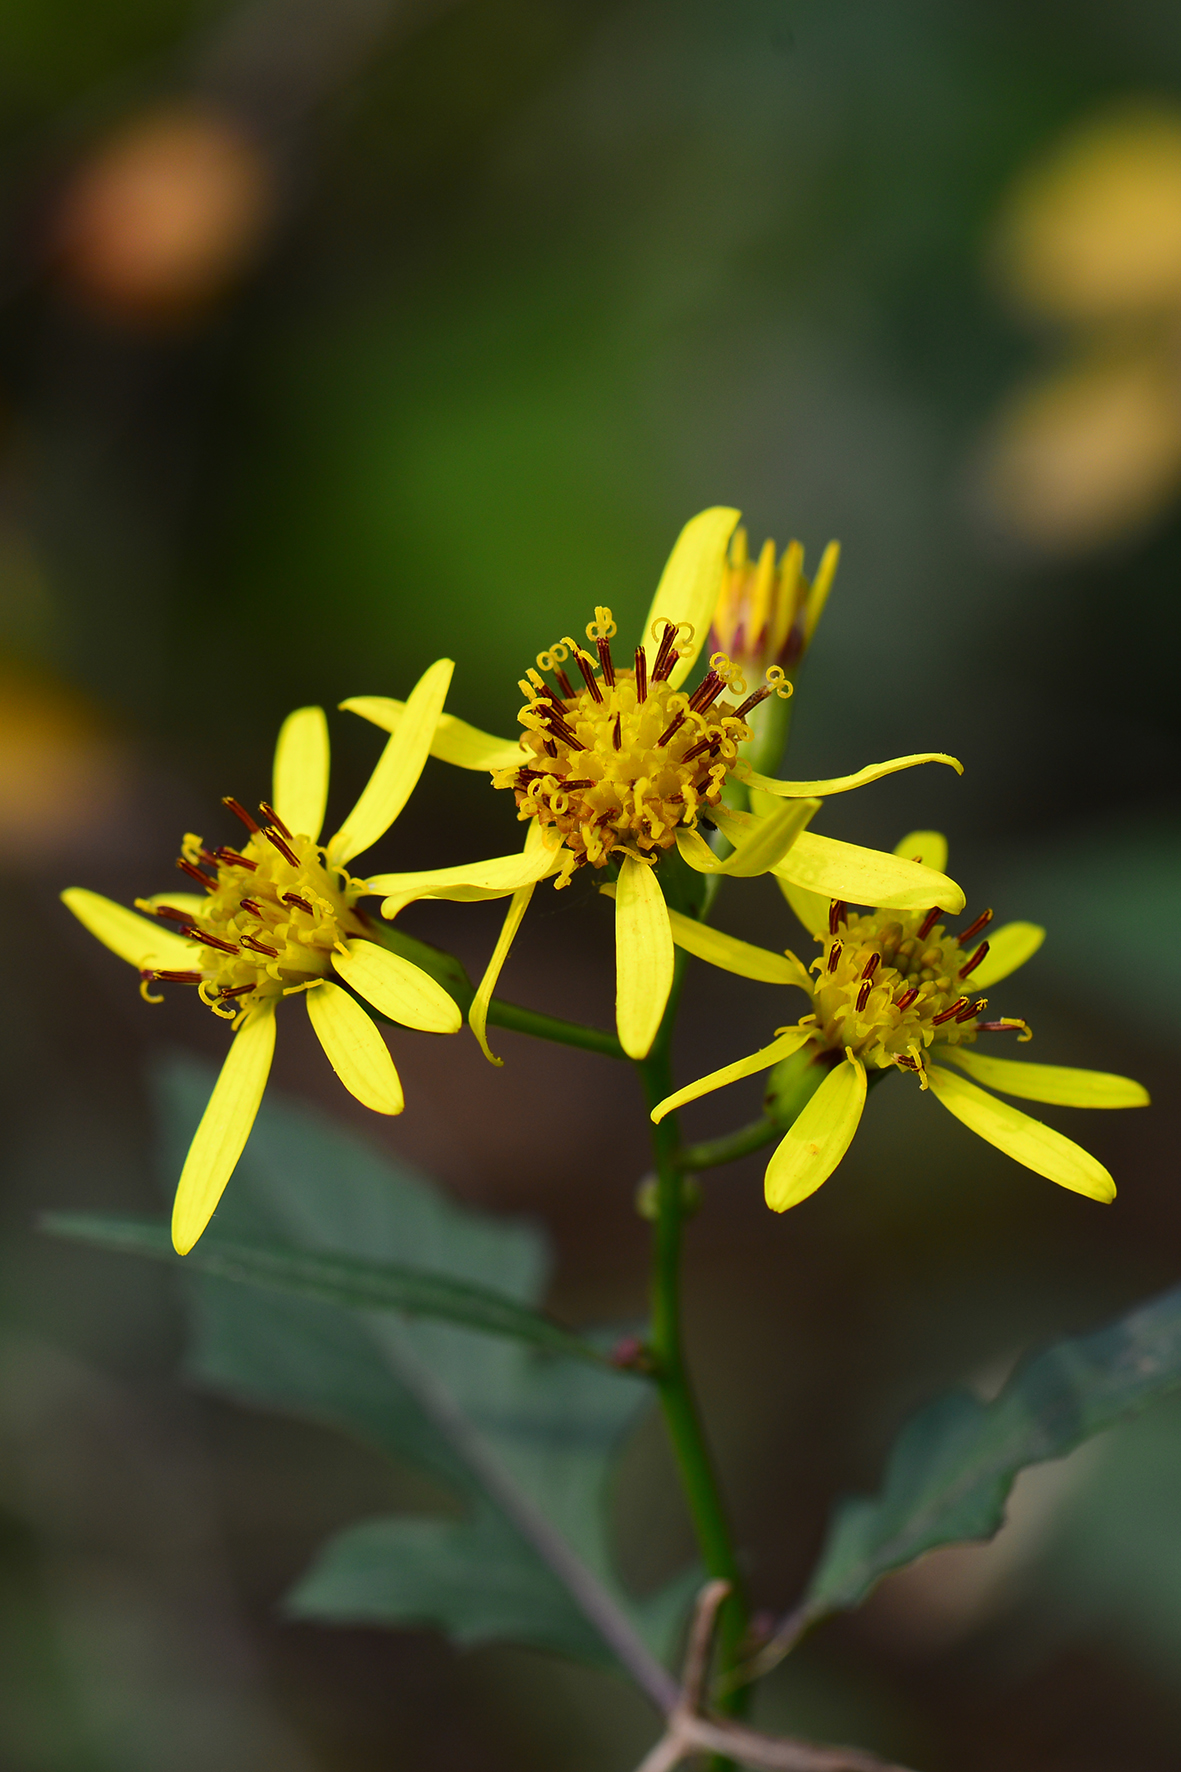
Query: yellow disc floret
616, 765
273, 914
892, 984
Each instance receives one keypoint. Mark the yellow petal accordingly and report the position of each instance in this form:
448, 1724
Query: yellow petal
354, 1048
865, 876
494, 878
397, 988
840, 784
929, 847
301, 772
762, 1060
178, 901
1010, 947
1060, 1084
689, 585
732, 955
759, 843
819, 1137
225, 1127
809, 907
821, 586
398, 768
454, 741
643, 957
1027, 1141
141, 943
478, 1013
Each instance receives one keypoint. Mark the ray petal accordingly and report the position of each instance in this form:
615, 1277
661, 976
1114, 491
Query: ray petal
762, 1060
1062, 1085
478, 1013
354, 1048
454, 741
819, 1137
225, 1127
496, 877
643, 956
841, 784
1026, 1140
398, 767
865, 876
136, 939
397, 987
1011, 946
929, 847
689, 585
731, 954
809, 907
301, 772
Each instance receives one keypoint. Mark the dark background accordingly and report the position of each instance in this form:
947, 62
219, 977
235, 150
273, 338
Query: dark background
337, 338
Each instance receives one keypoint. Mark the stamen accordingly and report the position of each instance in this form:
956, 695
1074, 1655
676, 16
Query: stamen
268, 811
641, 676
706, 692
752, 701
234, 859
971, 965
550, 748
838, 912
173, 915
568, 786
665, 660
1007, 1025
972, 1009
176, 977
588, 675
212, 941
294, 898
834, 955
260, 947
871, 965
559, 728
194, 873
907, 997
696, 750
287, 854
617, 732
234, 990
674, 725
928, 923
564, 684
982, 922
949, 1013
606, 661
863, 995
252, 905
239, 811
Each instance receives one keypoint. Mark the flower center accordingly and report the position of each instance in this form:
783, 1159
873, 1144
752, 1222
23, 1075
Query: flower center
273, 914
619, 763
890, 984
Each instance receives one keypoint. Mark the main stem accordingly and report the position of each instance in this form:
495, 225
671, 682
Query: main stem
698, 1477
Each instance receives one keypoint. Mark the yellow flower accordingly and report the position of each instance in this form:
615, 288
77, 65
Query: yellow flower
620, 767
898, 991
275, 918
766, 614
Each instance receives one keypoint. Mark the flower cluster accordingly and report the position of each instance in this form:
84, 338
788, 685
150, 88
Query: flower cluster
619, 767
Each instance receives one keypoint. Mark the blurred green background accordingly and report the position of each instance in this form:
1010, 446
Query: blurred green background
337, 338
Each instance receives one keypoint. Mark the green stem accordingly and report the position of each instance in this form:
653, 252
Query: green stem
549, 1027
741, 1143
682, 1420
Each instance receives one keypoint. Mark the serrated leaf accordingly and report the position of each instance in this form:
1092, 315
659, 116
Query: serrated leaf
953, 1466
330, 1276
427, 1391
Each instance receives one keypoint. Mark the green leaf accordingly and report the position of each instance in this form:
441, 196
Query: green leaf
335, 1278
951, 1469
513, 1433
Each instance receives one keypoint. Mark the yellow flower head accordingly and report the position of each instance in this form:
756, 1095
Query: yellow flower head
899, 991
616, 764
277, 916
766, 613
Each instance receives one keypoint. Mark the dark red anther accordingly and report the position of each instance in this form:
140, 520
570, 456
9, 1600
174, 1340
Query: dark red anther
212, 941
617, 731
588, 675
863, 995
234, 859
641, 676
287, 854
752, 701
239, 811
999, 1027
564, 684
834, 954
982, 922
928, 923
173, 915
907, 997
706, 692
559, 728
674, 725
176, 977
252, 905
234, 990
972, 1009
569, 786
606, 661
549, 747
949, 1013
260, 947
268, 811
194, 873
666, 658
838, 912
294, 898
696, 750
971, 964
871, 965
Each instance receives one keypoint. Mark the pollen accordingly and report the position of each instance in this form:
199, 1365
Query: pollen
621, 762
273, 914
892, 984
